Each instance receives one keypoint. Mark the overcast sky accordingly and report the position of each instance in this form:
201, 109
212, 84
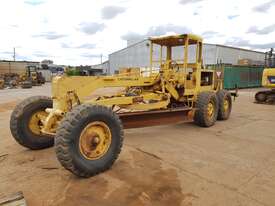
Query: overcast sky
78, 31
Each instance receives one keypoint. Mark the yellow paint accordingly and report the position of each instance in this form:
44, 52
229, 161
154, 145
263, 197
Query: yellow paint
147, 106
95, 140
210, 109
225, 105
266, 73
36, 122
174, 78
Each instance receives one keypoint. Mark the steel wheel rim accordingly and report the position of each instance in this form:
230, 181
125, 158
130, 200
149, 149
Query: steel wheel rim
226, 105
210, 109
36, 122
95, 140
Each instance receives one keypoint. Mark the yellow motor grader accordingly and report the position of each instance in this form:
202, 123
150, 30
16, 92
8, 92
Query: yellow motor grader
87, 131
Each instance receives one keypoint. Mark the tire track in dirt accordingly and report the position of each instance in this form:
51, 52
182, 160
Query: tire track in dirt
8, 106
140, 180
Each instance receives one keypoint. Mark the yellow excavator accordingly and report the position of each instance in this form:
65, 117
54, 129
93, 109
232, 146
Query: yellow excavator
268, 81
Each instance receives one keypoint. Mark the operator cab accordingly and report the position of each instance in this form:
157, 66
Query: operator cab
170, 46
181, 53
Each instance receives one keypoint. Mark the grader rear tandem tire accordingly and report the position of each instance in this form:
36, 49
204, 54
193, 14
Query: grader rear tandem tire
206, 109
225, 104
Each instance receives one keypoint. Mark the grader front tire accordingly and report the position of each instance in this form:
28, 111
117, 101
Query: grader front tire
206, 109
25, 123
89, 140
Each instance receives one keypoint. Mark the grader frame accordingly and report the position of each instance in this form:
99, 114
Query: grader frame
155, 90
88, 131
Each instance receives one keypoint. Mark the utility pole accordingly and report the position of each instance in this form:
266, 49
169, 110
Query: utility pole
13, 54
101, 58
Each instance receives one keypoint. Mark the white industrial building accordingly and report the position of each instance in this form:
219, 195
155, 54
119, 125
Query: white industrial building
104, 67
137, 54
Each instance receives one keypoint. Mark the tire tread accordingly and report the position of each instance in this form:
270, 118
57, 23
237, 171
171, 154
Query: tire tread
64, 137
14, 120
200, 117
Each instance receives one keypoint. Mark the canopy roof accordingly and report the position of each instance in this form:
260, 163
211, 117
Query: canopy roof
176, 40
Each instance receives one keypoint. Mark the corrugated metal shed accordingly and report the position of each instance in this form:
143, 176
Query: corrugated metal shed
103, 66
47, 74
137, 55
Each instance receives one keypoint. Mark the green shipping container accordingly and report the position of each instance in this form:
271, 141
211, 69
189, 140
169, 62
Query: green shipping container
242, 76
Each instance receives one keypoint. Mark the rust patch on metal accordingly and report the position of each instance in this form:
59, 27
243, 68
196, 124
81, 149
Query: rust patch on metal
153, 118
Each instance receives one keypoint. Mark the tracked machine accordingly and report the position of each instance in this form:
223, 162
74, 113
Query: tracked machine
87, 131
31, 77
268, 81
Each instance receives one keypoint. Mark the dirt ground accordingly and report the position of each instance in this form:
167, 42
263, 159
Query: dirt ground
231, 163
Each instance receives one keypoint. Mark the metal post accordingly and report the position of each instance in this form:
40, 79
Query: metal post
197, 51
169, 53
160, 60
151, 57
185, 59
185, 54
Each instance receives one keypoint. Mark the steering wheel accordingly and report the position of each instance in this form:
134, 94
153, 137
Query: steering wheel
174, 65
